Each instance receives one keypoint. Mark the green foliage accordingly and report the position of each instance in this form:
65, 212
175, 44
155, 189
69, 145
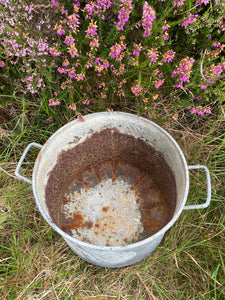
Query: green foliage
35, 262
85, 80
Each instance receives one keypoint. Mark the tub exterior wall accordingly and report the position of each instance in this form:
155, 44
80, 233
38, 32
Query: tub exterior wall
76, 132
114, 258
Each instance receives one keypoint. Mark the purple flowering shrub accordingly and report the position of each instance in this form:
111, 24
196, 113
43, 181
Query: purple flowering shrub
25, 31
80, 54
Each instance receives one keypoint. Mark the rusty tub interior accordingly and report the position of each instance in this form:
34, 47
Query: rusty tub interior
112, 189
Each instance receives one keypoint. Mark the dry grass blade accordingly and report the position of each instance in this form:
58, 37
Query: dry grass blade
7, 173
16, 281
150, 294
204, 271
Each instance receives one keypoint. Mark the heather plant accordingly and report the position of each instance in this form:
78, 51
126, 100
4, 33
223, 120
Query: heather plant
62, 59
79, 54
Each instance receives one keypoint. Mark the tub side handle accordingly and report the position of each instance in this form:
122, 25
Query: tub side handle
18, 175
208, 181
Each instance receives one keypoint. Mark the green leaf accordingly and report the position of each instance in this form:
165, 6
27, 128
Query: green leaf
2, 220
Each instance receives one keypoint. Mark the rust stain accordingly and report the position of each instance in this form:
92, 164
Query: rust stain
88, 224
39, 154
65, 200
165, 214
105, 208
78, 220
114, 155
152, 223
68, 225
114, 170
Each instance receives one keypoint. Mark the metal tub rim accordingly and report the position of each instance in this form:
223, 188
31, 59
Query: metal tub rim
148, 240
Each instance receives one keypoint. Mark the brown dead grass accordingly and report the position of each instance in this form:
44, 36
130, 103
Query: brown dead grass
36, 263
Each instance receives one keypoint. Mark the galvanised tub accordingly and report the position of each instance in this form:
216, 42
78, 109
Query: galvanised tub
111, 186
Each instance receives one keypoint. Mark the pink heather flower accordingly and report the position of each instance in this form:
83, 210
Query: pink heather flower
53, 102
69, 40
184, 71
218, 69
147, 17
200, 111
168, 56
89, 8
97, 7
183, 78
86, 102
200, 2
124, 13
155, 72
54, 52
122, 68
178, 85
189, 20
62, 70
136, 90
2, 63
65, 62
73, 106
102, 85
165, 27
59, 29
92, 30
49, 120
184, 66
101, 7
80, 119
91, 60
80, 77
153, 54
72, 74
116, 50
94, 43
101, 65
203, 86
64, 12
137, 49
217, 44
54, 3
208, 110
73, 51
178, 3
193, 110
138, 25
73, 22
159, 83
165, 36
198, 98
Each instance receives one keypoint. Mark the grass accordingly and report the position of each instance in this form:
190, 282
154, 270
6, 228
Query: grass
35, 262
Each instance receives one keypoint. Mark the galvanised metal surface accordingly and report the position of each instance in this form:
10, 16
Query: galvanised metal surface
111, 186
119, 191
